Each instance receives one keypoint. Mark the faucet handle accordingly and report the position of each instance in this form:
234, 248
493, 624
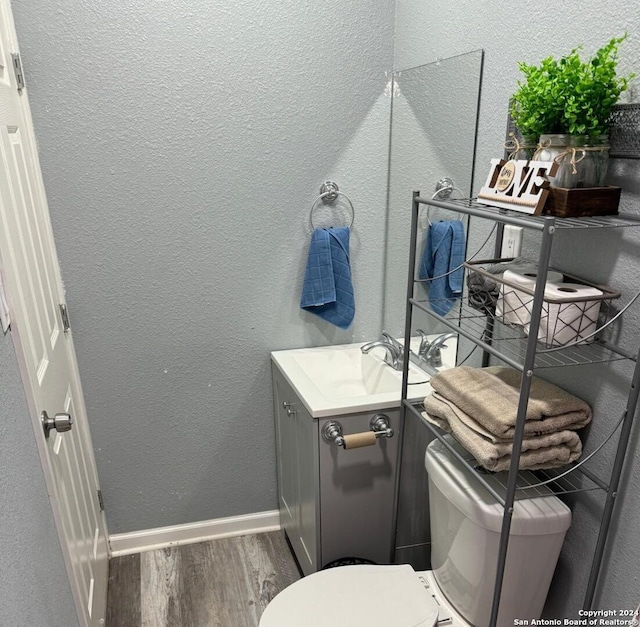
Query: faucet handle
386, 337
434, 356
424, 343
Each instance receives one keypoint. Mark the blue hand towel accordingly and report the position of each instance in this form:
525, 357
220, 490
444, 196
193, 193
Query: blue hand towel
327, 290
444, 251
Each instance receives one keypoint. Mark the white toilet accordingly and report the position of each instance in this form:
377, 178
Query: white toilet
465, 531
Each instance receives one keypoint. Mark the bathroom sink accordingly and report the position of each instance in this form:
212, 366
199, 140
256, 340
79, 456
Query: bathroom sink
335, 380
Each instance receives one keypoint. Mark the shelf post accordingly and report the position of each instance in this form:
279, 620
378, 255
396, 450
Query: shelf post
525, 388
415, 211
489, 325
607, 513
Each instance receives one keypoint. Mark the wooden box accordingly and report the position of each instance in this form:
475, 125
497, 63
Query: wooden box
582, 201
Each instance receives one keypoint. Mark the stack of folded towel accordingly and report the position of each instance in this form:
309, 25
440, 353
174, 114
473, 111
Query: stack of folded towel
479, 407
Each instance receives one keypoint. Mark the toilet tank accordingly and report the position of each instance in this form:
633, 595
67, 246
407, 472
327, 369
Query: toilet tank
465, 536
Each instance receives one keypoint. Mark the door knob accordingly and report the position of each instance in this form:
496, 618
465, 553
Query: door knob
61, 423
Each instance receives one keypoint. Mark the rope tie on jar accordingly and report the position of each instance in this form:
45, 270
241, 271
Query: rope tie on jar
559, 159
514, 146
572, 151
569, 150
543, 145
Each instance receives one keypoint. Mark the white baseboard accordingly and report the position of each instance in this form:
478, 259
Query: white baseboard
161, 537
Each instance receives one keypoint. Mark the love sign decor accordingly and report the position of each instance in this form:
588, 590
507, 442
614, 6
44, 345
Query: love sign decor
520, 185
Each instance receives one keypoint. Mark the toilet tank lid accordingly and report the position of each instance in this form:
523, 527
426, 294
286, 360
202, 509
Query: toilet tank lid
532, 516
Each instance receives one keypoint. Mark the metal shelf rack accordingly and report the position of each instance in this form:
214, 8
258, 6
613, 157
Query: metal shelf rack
524, 354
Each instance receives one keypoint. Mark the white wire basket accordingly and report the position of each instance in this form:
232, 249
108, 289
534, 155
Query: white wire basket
572, 311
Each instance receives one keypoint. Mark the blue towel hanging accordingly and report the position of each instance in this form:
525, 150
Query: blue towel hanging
327, 290
444, 250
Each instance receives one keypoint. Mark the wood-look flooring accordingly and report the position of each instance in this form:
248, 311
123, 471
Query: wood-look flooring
222, 583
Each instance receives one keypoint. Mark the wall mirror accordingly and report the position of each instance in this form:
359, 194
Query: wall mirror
434, 118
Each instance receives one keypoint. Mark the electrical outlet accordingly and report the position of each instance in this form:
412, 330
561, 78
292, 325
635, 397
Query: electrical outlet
511, 241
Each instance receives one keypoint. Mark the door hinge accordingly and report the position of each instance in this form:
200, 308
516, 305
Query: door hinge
100, 500
65, 317
17, 69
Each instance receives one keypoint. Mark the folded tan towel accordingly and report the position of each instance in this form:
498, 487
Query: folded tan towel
538, 452
490, 396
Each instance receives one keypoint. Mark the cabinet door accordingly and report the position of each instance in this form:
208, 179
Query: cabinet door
286, 452
357, 490
308, 490
298, 483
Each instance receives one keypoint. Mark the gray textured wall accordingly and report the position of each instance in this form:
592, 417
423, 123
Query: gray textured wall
531, 32
34, 589
182, 143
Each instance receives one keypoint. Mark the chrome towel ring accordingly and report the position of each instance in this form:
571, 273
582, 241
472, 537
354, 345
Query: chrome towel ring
444, 187
328, 194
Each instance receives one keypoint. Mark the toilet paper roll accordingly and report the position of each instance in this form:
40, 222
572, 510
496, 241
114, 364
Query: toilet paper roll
356, 440
514, 306
565, 320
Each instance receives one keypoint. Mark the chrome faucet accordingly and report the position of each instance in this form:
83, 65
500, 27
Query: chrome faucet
392, 355
433, 355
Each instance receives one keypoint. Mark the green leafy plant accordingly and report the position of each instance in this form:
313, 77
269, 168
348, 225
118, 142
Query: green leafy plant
569, 95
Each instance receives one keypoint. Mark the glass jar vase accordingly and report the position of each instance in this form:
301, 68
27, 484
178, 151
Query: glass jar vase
592, 169
582, 161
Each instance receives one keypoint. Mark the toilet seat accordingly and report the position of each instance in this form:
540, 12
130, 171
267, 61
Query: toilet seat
354, 596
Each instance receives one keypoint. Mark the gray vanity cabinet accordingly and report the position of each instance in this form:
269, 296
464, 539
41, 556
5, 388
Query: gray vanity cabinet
334, 504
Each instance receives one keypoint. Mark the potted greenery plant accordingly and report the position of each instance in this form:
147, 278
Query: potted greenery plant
563, 106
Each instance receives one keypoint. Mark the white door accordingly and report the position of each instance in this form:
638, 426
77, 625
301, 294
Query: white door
45, 351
